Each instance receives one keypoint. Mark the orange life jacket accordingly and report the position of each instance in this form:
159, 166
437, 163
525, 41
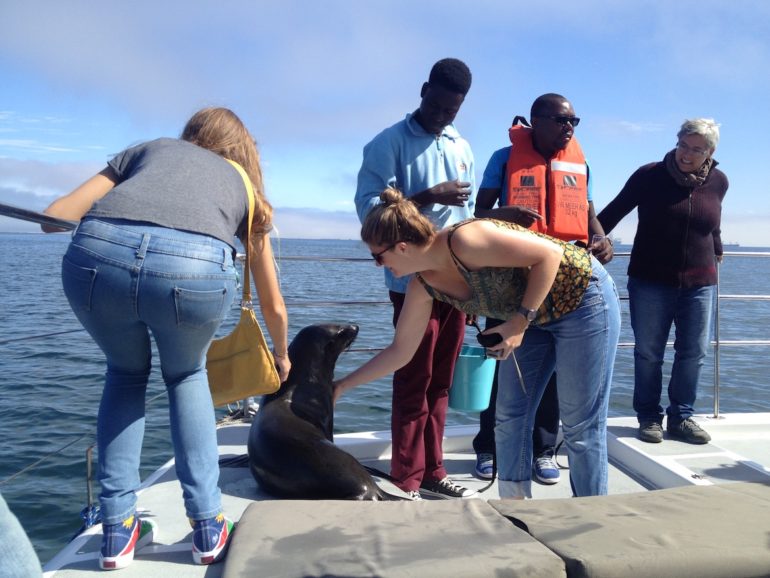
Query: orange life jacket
557, 189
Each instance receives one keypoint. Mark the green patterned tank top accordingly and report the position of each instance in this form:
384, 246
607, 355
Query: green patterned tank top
497, 291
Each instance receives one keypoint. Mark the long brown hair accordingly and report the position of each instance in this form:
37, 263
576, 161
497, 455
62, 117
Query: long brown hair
222, 132
394, 220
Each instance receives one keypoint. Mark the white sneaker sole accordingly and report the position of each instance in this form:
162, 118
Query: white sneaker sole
547, 481
469, 494
482, 475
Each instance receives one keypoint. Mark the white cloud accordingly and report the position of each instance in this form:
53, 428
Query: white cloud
316, 81
33, 146
34, 184
639, 127
316, 224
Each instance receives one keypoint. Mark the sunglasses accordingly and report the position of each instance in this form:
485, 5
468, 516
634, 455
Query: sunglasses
562, 120
378, 256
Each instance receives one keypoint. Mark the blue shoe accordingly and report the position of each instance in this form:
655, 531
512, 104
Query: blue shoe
121, 540
546, 469
485, 468
210, 538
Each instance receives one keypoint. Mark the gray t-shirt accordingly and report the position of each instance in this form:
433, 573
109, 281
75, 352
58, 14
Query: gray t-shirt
176, 184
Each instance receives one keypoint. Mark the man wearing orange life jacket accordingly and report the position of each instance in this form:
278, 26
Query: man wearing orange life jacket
556, 189
542, 182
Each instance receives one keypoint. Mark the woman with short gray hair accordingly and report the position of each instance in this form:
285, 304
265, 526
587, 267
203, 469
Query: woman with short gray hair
672, 274
705, 127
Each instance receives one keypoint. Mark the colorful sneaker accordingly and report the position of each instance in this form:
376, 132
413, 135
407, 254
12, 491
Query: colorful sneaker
485, 467
210, 538
445, 489
546, 469
414, 495
120, 541
688, 431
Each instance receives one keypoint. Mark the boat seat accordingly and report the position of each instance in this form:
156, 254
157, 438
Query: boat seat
714, 531
447, 538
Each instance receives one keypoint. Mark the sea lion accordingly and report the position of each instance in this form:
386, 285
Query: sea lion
291, 446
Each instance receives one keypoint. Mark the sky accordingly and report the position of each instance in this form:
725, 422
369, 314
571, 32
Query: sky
314, 81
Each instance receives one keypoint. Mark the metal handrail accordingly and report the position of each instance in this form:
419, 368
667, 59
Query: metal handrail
35, 217
716, 347
717, 343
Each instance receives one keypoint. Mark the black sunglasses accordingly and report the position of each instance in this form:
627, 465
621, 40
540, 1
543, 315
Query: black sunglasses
378, 256
562, 120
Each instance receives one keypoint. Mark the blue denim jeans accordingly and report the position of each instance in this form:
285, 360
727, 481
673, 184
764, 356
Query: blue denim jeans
654, 307
18, 557
581, 347
125, 281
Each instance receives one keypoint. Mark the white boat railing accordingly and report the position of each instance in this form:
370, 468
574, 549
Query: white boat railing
718, 343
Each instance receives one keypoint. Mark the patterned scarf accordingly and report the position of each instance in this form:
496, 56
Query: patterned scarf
693, 179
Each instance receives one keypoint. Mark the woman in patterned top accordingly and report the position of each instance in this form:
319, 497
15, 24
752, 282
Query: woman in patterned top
562, 313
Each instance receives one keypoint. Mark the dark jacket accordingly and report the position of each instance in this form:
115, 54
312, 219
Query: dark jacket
678, 234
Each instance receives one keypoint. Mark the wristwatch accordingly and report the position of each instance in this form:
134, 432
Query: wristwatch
529, 314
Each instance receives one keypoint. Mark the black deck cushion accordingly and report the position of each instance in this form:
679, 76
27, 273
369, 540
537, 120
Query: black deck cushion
446, 538
720, 531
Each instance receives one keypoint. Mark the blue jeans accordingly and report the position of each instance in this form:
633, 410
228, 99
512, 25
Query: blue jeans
124, 281
18, 557
581, 347
654, 307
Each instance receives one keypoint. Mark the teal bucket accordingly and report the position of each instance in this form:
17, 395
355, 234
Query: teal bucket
472, 381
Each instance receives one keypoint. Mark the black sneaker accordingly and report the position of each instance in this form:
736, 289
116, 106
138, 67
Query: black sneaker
688, 431
651, 432
445, 489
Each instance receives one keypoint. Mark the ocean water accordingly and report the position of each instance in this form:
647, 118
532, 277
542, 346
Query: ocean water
51, 386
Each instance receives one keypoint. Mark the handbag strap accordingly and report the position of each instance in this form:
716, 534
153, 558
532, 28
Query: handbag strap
246, 301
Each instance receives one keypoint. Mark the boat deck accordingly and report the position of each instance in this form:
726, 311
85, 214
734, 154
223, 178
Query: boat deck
737, 452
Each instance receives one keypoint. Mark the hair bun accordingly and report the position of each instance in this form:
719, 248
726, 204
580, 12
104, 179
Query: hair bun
391, 196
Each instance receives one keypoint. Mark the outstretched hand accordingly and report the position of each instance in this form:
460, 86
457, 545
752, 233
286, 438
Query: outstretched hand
283, 366
523, 216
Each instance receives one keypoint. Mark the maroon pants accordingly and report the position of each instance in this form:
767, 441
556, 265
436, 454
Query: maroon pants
421, 397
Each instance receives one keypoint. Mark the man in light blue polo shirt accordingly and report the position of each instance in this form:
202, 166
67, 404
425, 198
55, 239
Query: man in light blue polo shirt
426, 159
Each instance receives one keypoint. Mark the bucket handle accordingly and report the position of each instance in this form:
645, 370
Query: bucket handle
515, 361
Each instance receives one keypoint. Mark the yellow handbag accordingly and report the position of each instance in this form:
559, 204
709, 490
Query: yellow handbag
240, 365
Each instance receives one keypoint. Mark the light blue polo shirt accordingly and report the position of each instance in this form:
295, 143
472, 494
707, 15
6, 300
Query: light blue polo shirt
410, 159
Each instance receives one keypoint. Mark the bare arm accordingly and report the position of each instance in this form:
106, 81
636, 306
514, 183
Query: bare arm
483, 244
485, 202
603, 250
77, 203
271, 302
409, 332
